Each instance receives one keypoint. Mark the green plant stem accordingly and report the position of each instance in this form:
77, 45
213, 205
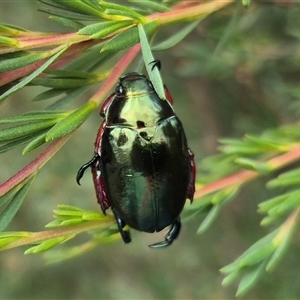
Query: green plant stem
36, 237
245, 176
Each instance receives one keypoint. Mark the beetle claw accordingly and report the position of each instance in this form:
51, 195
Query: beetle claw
121, 224
84, 167
170, 237
156, 64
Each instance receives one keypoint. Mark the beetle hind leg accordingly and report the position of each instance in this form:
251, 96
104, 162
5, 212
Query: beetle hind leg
121, 224
170, 237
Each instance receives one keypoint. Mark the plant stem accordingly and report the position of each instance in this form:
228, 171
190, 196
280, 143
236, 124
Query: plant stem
33, 167
189, 13
36, 237
247, 175
115, 74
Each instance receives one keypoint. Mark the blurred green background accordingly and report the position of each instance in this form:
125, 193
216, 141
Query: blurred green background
237, 73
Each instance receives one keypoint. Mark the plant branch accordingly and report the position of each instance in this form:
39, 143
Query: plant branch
33, 167
115, 74
189, 13
245, 176
36, 237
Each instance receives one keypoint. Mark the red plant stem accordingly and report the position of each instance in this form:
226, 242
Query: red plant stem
57, 39
33, 167
115, 74
189, 13
244, 176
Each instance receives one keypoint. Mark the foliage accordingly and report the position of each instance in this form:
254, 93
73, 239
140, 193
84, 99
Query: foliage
71, 63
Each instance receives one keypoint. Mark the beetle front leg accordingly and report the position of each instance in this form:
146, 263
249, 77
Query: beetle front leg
95, 165
170, 237
82, 169
121, 224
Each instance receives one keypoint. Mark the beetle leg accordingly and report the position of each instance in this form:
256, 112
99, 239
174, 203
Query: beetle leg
156, 63
95, 164
121, 224
170, 237
191, 188
81, 171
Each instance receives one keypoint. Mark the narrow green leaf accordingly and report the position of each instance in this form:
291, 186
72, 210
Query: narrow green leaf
240, 147
128, 38
288, 205
266, 221
68, 213
19, 62
268, 144
71, 122
19, 141
153, 73
255, 254
200, 205
20, 131
68, 98
177, 37
55, 223
81, 7
7, 196
69, 207
283, 240
286, 179
12, 208
6, 241
8, 42
11, 29
151, 5
68, 14
72, 222
29, 78
66, 22
92, 215
117, 9
49, 94
121, 13
259, 251
33, 116
70, 74
18, 234
246, 3
269, 204
232, 277
11, 236
63, 83
224, 195
249, 279
254, 165
100, 30
40, 140
209, 219
48, 244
